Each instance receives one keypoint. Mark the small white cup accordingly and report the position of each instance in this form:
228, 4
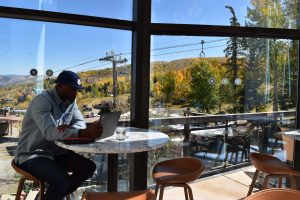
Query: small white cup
120, 133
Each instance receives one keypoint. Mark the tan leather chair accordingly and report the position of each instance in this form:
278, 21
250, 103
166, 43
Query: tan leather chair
26, 176
177, 172
273, 167
133, 195
275, 194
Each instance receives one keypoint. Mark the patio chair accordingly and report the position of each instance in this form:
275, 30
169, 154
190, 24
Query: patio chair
177, 172
132, 195
273, 167
235, 145
26, 176
275, 194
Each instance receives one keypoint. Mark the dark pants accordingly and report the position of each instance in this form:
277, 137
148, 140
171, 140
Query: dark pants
63, 176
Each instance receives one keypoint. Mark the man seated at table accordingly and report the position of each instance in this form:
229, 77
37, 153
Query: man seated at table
54, 115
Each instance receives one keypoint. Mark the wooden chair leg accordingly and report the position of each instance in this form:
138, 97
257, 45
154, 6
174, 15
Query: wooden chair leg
266, 180
293, 182
161, 192
190, 192
186, 192
20, 187
42, 190
253, 182
280, 182
156, 190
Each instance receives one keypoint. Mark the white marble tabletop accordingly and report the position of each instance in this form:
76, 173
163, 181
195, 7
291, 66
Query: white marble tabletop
137, 140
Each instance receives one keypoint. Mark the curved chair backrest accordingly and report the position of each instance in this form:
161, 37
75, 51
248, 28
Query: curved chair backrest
270, 164
275, 194
132, 195
187, 169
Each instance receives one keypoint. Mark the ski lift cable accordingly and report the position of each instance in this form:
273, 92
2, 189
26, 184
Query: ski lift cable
188, 50
185, 45
39, 76
128, 53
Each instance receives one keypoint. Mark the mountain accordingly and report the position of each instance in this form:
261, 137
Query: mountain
7, 80
93, 75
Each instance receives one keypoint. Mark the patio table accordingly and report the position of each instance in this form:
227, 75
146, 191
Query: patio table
137, 140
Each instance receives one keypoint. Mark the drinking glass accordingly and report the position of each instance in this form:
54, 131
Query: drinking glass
120, 133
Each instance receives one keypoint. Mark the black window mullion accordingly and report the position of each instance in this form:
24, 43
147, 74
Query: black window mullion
140, 78
65, 18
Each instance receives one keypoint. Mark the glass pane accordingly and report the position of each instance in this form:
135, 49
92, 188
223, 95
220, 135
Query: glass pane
117, 9
266, 13
45, 47
219, 98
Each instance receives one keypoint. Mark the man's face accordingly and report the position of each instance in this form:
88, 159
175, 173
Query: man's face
67, 92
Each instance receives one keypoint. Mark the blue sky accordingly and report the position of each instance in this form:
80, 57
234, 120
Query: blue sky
31, 44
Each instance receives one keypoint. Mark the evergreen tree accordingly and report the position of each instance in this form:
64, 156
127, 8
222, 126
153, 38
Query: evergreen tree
233, 51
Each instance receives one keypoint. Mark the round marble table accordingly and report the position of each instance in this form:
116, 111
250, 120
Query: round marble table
137, 140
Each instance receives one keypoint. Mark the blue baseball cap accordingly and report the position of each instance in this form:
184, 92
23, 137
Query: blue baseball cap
69, 78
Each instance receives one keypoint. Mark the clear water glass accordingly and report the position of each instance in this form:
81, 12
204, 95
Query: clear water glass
120, 133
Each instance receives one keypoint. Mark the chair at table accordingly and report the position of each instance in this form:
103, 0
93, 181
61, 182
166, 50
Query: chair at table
132, 195
26, 176
275, 194
177, 172
273, 167
239, 142
235, 145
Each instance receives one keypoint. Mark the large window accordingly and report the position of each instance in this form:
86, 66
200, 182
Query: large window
220, 98
217, 96
253, 13
45, 47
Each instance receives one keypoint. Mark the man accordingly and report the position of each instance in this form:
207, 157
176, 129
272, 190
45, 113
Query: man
54, 115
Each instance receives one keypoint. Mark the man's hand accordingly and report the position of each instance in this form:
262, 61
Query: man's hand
62, 128
93, 130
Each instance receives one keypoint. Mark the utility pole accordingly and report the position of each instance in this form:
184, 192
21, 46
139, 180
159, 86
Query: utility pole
115, 59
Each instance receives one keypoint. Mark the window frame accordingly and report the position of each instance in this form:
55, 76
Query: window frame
142, 29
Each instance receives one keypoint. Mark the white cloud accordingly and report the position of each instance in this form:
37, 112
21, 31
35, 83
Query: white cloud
45, 3
190, 12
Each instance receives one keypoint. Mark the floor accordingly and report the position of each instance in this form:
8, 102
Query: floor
232, 185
